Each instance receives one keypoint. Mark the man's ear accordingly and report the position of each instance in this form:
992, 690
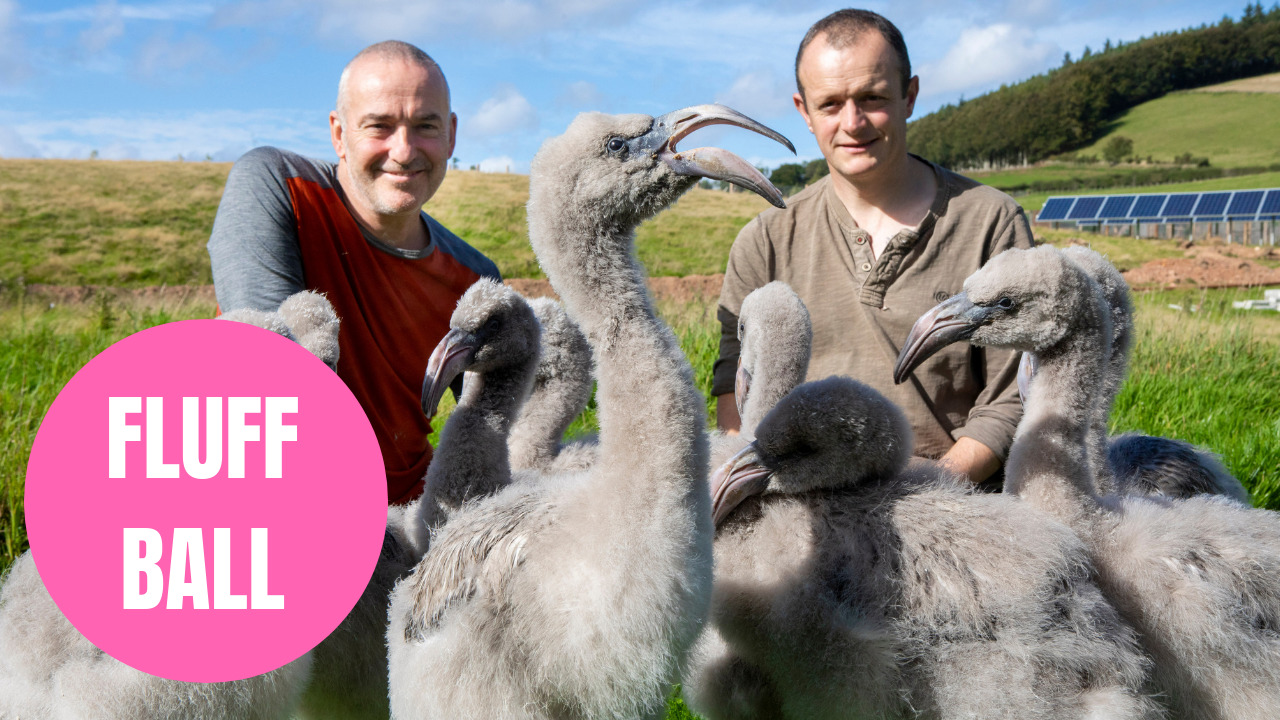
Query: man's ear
453, 132
913, 90
335, 134
798, 99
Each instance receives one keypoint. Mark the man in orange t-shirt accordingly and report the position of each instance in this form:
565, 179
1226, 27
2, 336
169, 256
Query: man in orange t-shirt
356, 232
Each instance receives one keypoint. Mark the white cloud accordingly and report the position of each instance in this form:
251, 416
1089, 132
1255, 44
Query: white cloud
107, 25
760, 94
12, 144
507, 111
501, 164
984, 57
223, 134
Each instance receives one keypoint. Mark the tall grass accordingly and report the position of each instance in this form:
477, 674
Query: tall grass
1212, 378
41, 348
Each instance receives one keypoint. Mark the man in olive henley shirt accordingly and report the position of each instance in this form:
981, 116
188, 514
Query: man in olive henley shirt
877, 243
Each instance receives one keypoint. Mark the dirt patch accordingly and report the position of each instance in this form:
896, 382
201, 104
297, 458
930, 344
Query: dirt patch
1209, 267
1260, 84
1212, 266
166, 295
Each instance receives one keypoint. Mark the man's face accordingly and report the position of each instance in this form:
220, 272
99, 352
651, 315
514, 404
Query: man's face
854, 104
394, 135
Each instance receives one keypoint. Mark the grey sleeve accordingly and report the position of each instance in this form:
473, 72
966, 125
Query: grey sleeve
254, 244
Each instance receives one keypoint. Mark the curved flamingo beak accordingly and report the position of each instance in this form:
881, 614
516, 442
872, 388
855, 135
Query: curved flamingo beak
709, 162
742, 476
452, 355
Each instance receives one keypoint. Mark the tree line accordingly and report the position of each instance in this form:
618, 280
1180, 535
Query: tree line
1071, 106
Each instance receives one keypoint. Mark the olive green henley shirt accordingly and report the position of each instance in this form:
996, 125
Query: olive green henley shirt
862, 307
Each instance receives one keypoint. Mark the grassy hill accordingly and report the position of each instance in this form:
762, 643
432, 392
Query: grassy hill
1232, 129
134, 224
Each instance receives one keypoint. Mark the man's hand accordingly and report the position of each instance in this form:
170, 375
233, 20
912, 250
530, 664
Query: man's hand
969, 458
727, 413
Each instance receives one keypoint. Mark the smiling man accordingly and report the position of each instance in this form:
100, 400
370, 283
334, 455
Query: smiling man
876, 243
356, 231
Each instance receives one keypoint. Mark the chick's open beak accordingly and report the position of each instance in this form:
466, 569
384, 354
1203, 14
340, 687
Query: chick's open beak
742, 476
950, 321
452, 355
709, 162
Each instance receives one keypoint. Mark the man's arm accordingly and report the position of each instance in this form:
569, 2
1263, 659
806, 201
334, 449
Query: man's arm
254, 244
971, 459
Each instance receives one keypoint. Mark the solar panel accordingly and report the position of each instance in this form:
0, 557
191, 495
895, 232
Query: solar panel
1212, 204
1148, 206
1271, 206
1055, 208
1086, 208
1245, 202
1116, 206
1175, 207
1179, 205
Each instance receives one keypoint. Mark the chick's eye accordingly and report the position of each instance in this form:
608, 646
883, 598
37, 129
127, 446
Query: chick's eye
616, 144
1005, 303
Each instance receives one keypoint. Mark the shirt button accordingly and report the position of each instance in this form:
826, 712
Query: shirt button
860, 240
866, 267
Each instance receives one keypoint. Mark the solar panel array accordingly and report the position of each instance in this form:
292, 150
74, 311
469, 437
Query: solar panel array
1166, 207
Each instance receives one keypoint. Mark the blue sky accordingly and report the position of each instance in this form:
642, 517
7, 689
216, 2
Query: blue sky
155, 80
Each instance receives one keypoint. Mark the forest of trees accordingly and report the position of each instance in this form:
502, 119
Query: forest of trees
1071, 106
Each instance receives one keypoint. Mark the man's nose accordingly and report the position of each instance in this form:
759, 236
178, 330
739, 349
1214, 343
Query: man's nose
400, 146
851, 117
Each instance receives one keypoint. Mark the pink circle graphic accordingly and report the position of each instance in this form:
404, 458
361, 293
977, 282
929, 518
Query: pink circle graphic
196, 562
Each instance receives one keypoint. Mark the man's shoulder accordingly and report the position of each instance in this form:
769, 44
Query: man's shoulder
965, 193
267, 161
803, 204
448, 242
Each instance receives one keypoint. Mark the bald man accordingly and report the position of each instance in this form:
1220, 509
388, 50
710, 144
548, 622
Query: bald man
356, 231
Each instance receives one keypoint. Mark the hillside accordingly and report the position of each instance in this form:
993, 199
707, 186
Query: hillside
1074, 105
138, 224
1230, 128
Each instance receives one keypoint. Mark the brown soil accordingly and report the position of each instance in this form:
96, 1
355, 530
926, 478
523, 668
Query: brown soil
1209, 266
1260, 84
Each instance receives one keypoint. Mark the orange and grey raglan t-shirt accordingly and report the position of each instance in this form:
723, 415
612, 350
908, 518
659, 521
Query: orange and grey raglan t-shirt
282, 227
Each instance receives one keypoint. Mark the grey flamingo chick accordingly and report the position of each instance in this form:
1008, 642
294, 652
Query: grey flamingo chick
1137, 464
349, 667
776, 338
579, 595
561, 391
494, 338
49, 670
849, 584
1198, 578
1134, 463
